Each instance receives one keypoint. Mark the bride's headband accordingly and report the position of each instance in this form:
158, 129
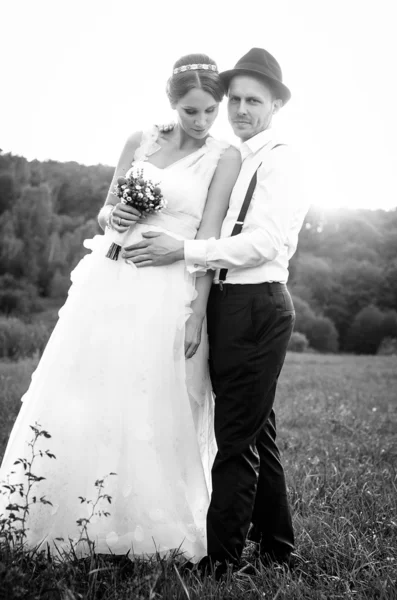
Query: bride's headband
206, 67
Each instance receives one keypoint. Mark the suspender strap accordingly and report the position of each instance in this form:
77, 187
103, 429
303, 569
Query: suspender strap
247, 200
241, 218
240, 221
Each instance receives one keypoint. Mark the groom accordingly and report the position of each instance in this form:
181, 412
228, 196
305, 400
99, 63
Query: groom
250, 318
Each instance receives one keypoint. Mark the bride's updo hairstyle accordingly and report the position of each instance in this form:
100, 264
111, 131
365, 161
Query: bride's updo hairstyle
205, 78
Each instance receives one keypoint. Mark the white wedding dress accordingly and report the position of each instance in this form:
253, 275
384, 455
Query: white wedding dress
114, 391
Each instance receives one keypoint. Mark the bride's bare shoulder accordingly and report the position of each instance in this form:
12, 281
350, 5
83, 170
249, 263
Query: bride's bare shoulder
134, 139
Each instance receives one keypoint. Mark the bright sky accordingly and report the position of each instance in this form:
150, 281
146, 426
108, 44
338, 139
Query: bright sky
78, 76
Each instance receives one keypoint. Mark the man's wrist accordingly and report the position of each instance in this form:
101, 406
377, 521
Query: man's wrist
176, 251
179, 253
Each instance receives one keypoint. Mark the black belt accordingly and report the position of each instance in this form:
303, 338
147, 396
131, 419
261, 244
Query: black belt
266, 287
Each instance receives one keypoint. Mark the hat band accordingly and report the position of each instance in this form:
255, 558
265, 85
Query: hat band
205, 67
260, 69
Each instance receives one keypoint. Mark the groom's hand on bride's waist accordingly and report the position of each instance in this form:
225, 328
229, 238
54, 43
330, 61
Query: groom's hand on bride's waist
155, 250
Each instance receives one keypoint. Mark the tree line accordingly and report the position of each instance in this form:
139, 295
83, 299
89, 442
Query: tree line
343, 277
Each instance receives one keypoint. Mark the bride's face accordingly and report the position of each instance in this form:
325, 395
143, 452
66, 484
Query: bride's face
197, 111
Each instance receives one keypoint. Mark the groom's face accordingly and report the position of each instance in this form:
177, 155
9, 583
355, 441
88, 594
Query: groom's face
251, 106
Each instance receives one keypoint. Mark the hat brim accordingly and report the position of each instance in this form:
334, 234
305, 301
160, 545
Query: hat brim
282, 91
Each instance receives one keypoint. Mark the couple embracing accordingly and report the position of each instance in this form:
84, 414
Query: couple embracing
130, 383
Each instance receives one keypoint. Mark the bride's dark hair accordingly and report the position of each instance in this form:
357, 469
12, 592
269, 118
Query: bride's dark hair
181, 83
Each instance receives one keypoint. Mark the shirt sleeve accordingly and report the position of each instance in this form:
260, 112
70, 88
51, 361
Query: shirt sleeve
196, 256
276, 198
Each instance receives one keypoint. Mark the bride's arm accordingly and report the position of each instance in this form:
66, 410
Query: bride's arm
112, 206
214, 213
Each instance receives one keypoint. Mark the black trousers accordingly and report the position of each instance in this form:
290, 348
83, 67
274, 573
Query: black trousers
249, 327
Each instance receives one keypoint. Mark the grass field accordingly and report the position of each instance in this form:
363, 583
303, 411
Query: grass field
337, 421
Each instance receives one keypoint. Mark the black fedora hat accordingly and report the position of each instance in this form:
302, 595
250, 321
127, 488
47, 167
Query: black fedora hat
261, 63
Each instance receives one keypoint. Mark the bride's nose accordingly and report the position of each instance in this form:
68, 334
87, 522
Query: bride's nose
200, 121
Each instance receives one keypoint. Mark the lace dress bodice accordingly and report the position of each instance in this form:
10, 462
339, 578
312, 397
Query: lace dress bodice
184, 183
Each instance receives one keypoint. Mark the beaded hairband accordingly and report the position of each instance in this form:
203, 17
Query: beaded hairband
206, 67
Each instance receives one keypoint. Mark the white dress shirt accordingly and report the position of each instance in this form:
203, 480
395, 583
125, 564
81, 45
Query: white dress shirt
269, 238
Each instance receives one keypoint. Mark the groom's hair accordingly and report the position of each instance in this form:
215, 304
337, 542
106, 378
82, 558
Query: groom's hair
181, 83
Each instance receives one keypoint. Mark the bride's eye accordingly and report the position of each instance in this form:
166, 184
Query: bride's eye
189, 111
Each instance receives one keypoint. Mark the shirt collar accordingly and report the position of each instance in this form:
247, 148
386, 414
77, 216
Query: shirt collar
257, 142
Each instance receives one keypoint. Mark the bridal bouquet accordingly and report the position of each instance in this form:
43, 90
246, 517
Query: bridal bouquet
139, 193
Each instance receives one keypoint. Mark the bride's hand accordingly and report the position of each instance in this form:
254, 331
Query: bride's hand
193, 328
166, 127
123, 216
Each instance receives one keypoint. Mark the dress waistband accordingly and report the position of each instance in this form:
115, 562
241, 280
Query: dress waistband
183, 224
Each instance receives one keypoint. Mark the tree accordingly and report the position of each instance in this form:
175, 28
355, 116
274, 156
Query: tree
340, 314
304, 315
359, 283
366, 332
17, 296
11, 247
33, 219
319, 330
56, 257
389, 245
314, 281
59, 286
387, 294
298, 342
7, 192
323, 335
389, 324
346, 227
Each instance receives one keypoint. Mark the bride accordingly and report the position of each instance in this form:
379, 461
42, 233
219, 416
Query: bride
122, 386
